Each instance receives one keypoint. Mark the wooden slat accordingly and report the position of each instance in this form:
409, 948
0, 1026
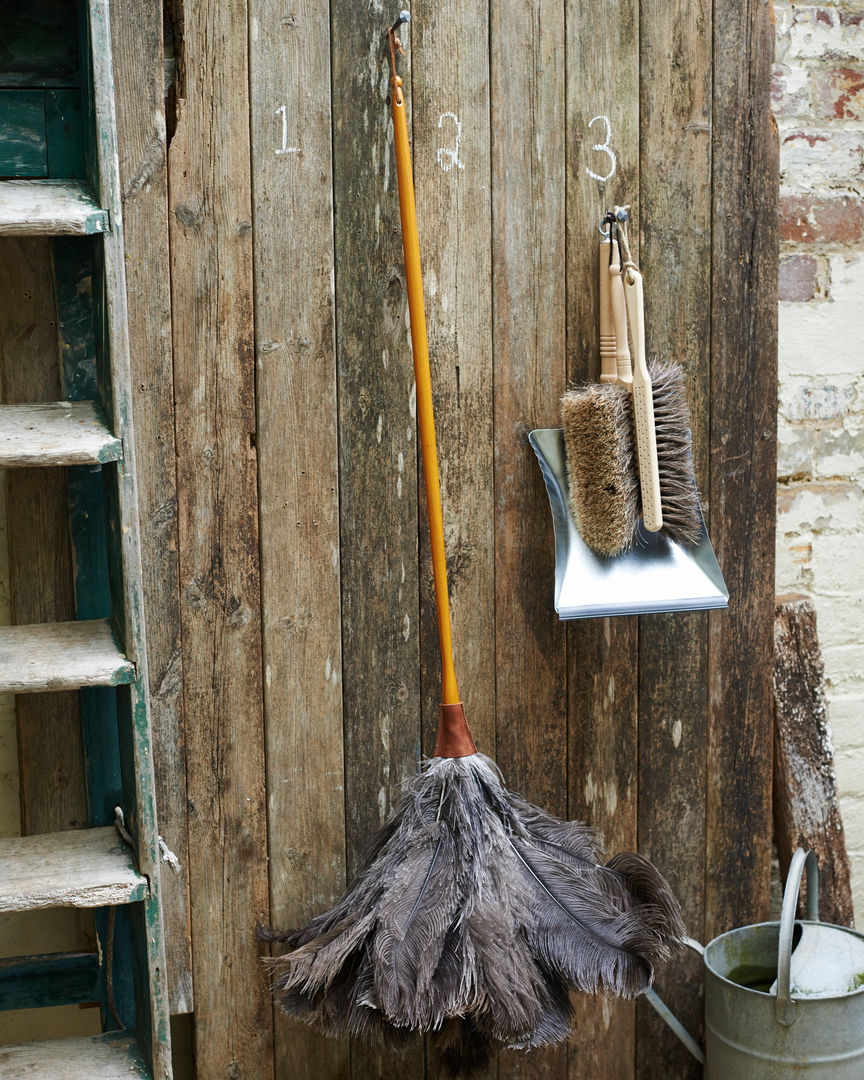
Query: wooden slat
107, 1057
61, 656
55, 433
214, 371
602, 108
79, 868
49, 208
298, 485
742, 492
50, 751
528, 232
451, 153
139, 94
674, 221
377, 451
806, 810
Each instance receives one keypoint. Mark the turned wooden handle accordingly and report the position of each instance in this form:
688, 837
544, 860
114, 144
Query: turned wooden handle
608, 365
619, 319
643, 404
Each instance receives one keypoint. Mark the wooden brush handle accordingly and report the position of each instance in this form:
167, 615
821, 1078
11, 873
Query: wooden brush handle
643, 405
619, 319
608, 365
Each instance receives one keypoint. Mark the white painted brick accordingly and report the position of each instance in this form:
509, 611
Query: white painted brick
815, 398
813, 160
824, 339
844, 669
836, 564
840, 618
850, 774
837, 505
795, 449
819, 33
846, 716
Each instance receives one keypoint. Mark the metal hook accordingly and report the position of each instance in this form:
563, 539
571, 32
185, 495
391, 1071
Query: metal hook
404, 17
608, 219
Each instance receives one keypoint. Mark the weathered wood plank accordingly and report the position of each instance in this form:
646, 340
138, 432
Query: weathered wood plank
742, 491
61, 656
79, 868
50, 750
298, 483
602, 108
451, 156
55, 433
377, 449
528, 187
48, 979
49, 208
139, 96
109, 1057
22, 133
674, 221
211, 288
806, 811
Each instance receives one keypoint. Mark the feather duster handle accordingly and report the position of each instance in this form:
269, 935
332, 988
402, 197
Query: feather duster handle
473, 916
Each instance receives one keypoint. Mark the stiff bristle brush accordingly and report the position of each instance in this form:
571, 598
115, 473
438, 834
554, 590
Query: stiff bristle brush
627, 439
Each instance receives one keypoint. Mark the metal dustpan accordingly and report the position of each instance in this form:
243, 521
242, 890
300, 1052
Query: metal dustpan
657, 575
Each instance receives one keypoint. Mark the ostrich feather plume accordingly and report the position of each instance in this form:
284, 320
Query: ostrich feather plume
474, 914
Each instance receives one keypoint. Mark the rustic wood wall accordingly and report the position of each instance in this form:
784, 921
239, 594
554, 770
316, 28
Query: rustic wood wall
292, 639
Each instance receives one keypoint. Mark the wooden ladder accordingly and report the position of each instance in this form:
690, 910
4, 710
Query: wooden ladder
112, 866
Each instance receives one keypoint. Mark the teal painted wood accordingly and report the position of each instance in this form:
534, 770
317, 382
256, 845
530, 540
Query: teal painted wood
37, 982
125, 554
23, 149
38, 46
64, 134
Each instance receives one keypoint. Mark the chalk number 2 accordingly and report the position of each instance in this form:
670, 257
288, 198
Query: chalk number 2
604, 148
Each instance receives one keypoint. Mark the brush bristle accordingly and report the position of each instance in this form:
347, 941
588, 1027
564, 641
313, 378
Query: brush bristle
602, 464
682, 517
604, 485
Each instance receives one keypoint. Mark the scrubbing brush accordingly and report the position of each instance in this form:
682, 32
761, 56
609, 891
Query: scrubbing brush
623, 462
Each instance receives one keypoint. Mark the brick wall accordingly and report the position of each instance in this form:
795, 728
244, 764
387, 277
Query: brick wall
819, 105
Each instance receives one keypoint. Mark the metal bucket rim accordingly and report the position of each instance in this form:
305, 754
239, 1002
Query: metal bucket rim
764, 993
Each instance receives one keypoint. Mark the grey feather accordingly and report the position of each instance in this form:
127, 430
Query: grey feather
474, 914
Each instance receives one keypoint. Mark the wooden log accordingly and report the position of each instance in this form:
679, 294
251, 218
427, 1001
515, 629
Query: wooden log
528, 186
298, 484
211, 292
450, 100
139, 96
50, 750
806, 810
674, 221
742, 487
377, 451
602, 170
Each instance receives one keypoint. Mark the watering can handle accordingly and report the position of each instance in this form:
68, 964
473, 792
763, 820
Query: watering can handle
670, 1019
784, 1007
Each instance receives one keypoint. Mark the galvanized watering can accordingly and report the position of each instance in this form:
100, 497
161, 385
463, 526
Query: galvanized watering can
779, 1030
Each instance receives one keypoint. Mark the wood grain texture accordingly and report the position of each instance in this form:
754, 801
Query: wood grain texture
298, 481
451, 148
806, 810
80, 868
139, 94
61, 656
743, 466
377, 449
109, 1057
528, 186
674, 222
214, 379
602, 682
49, 208
55, 433
50, 750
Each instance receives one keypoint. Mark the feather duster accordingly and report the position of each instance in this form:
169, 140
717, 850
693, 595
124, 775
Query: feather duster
474, 914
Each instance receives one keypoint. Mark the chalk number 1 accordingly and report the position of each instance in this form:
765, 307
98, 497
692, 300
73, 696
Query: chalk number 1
285, 148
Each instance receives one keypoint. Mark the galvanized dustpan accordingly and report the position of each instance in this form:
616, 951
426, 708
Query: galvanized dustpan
657, 575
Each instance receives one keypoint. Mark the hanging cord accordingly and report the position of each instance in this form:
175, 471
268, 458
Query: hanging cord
622, 216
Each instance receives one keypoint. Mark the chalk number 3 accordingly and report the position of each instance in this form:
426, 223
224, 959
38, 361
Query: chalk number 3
604, 148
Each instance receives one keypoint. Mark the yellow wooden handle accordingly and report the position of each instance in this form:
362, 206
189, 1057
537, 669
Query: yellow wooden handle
425, 416
608, 365
619, 319
643, 405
